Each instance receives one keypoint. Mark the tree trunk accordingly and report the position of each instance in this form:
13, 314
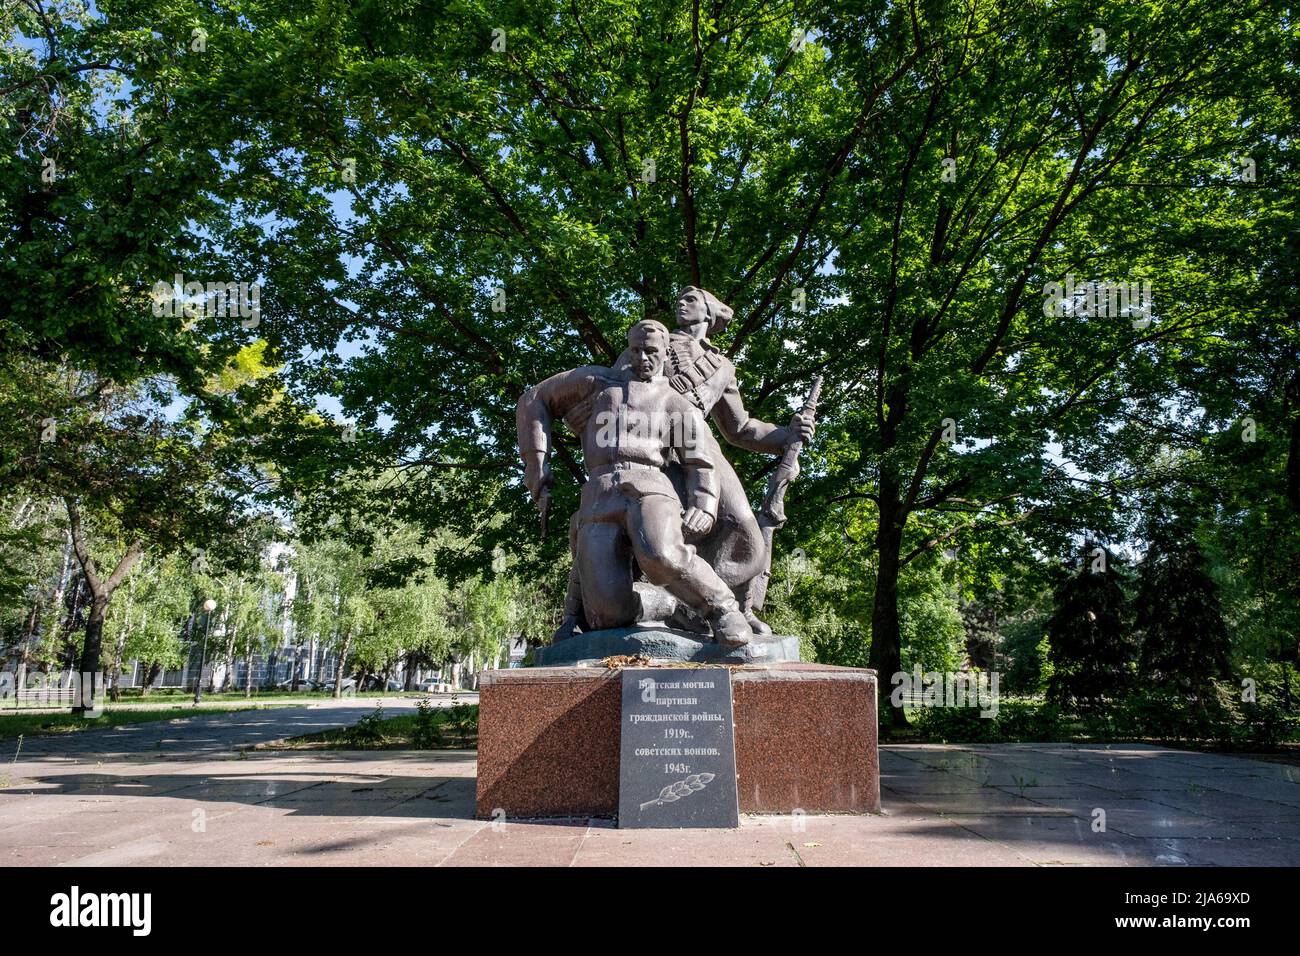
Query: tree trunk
1286, 673
119, 645
189, 652
115, 681
93, 645
212, 678
32, 623
91, 663
1293, 466
228, 678
25, 647
150, 675
56, 600
101, 591
886, 632
297, 668
248, 670
343, 656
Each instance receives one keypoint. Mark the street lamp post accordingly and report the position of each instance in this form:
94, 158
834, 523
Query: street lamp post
209, 605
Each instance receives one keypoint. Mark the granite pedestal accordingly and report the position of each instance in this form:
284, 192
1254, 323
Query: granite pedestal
549, 740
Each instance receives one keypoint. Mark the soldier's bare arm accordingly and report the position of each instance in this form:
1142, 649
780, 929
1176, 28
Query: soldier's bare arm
537, 410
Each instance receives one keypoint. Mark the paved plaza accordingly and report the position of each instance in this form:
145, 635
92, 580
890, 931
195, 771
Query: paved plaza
182, 793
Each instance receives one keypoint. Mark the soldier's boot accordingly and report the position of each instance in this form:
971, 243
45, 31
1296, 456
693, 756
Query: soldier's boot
569, 626
731, 628
699, 586
745, 596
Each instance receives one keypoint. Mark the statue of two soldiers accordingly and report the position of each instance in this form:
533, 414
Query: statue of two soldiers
665, 531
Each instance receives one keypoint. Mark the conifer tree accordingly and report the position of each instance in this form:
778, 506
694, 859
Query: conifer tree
1178, 618
1090, 650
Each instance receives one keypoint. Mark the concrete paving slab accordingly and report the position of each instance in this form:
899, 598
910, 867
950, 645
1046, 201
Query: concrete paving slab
293, 808
210, 734
522, 844
1147, 818
988, 800
1059, 841
1228, 852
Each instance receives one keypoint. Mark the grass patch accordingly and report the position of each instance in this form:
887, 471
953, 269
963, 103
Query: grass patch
1154, 717
429, 728
132, 694
235, 700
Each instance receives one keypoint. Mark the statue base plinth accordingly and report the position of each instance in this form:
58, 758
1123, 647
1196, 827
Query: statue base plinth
806, 741
662, 644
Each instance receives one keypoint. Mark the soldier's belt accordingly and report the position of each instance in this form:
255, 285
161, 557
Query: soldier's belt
618, 466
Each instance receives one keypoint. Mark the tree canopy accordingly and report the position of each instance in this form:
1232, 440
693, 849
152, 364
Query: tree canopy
1041, 251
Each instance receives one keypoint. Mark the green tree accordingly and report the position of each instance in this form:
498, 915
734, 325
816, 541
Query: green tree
129, 479
101, 193
883, 191
1177, 616
148, 627
36, 563
1091, 652
933, 635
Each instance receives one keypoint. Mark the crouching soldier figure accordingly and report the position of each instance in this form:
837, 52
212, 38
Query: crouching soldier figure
632, 425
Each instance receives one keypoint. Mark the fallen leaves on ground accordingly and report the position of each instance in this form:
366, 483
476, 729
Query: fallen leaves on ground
626, 660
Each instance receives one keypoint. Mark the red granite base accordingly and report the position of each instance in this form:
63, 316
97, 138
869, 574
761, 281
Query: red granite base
805, 740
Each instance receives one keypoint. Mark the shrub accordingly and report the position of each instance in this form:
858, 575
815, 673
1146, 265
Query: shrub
1016, 720
1029, 720
464, 720
1219, 716
369, 729
957, 725
427, 732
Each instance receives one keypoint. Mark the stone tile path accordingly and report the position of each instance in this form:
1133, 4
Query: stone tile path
199, 803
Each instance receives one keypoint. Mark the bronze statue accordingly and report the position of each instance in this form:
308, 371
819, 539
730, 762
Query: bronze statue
632, 424
677, 379
739, 546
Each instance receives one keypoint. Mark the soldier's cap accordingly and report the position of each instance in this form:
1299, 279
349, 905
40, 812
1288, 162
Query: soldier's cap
647, 328
719, 312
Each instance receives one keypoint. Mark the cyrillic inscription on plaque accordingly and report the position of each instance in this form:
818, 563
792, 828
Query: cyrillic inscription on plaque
677, 764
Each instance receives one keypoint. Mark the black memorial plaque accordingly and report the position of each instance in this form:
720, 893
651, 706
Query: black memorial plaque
677, 761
